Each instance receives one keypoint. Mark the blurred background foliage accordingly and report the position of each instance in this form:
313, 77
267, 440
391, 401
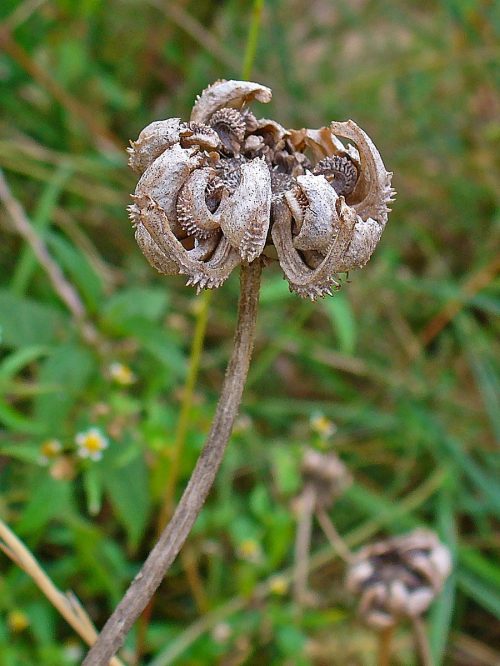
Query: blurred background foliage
400, 365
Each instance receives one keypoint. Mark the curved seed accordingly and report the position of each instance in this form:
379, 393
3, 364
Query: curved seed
373, 191
320, 221
245, 215
165, 177
192, 211
153, 140
201, 274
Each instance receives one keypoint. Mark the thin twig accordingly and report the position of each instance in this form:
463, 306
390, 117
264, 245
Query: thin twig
336, 541
62, 287
175, 534
385, 646
305, 509
67, 604
422, 642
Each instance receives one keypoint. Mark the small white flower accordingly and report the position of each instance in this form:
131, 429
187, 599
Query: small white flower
49, 450
322, 426
91, 443
121, 374
250, 550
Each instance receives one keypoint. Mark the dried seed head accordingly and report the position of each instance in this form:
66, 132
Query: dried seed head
398, 577
212, 189
327, 474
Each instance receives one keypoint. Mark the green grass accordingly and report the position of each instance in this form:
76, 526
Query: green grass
402, 360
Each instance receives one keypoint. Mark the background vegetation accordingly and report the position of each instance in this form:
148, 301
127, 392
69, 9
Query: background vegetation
400, 362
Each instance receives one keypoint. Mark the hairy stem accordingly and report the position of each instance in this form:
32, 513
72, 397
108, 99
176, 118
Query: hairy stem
175, 534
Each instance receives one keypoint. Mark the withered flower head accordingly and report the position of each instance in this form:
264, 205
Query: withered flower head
327, 475
225, 187
398, 577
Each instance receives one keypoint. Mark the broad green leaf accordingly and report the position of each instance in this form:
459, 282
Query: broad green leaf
128, 490
148, 303
25, 322
48, 499
68, 369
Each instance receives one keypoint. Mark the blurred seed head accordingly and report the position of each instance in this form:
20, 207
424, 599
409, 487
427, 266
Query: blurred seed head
326, 474
398, 577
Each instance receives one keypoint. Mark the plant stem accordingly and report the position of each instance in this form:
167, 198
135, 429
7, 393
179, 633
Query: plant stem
421, 642
253, 37
303, 544
175, 534
384, 646
336, 541
187, 403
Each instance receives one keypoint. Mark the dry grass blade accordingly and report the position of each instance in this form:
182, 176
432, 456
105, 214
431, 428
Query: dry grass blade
66, 604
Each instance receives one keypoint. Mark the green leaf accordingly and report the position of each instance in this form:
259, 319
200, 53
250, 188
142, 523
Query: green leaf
68, 369
480, 591
25, 322
48, 498
77, 266
18, 422
11, 365
148, 303
442, 610
29, 454
93, 485
341, 315
128, 491
41, 219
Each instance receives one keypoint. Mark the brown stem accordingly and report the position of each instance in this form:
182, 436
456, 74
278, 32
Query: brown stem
175, 534
307, 501
384, 646
422, 642
336, 541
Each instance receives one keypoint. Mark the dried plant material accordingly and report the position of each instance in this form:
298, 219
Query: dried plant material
325, 478
399, 577
327, 475
224, 187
